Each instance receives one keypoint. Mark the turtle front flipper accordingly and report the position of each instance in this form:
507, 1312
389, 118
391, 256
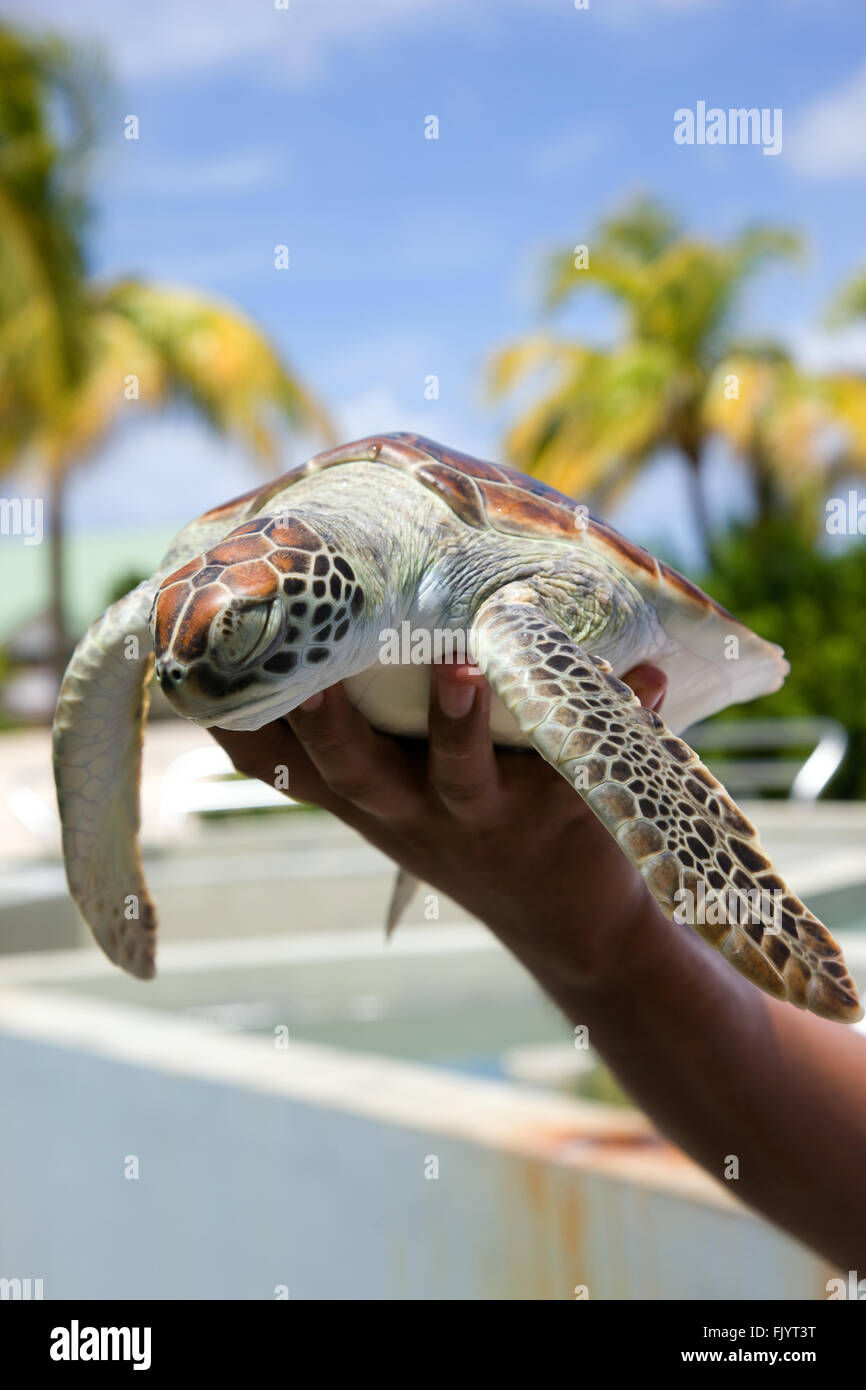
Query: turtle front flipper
98, 734
697, 852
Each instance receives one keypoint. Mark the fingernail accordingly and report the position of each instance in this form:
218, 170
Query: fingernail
314, 703
456, 698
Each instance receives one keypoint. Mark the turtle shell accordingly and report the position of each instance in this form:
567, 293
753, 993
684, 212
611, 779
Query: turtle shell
485, 494
711, 659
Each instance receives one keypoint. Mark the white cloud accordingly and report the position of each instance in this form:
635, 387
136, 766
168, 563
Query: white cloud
233, 173
162, 468
171, 38
184, 38
379, 409
379, 385
829, 138
819, 350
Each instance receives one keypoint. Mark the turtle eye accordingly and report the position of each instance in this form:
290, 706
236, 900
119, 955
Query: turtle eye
242, 636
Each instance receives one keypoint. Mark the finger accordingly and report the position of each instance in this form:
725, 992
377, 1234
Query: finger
357, 764
461, 762
649, 684
275, 755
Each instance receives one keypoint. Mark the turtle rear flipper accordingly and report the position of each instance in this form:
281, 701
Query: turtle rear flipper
405, 887
98, 735
698, 854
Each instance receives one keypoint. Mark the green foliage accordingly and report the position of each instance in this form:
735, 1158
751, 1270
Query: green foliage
849, 305
642, 230
45, 131
812, 603
601, 415
69, 348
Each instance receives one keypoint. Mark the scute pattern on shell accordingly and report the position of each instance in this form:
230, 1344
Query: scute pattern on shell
484, 494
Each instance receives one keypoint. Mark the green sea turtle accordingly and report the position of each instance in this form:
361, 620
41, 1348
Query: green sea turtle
296, 585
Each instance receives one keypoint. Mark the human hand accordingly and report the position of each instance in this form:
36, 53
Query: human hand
510, 840
497, 830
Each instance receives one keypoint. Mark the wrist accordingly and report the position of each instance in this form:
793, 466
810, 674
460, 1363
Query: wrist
598, 954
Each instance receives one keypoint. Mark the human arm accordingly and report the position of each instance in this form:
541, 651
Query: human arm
721, 1068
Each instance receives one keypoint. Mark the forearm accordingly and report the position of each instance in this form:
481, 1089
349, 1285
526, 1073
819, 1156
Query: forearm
723, 1070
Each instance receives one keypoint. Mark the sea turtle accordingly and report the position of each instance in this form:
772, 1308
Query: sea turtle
280, 593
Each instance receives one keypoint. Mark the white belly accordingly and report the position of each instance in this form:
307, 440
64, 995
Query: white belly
394, 698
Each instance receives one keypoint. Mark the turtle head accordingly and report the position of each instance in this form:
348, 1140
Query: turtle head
250, 629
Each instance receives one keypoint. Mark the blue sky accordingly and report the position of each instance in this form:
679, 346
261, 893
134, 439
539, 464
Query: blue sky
305, 126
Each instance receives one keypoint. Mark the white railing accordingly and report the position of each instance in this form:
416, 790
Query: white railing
204, 780
803, 777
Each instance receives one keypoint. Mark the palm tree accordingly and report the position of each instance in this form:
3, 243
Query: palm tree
800, 435
41, 226
149, 345
76, 356
849, 305
603, 413
847, 390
